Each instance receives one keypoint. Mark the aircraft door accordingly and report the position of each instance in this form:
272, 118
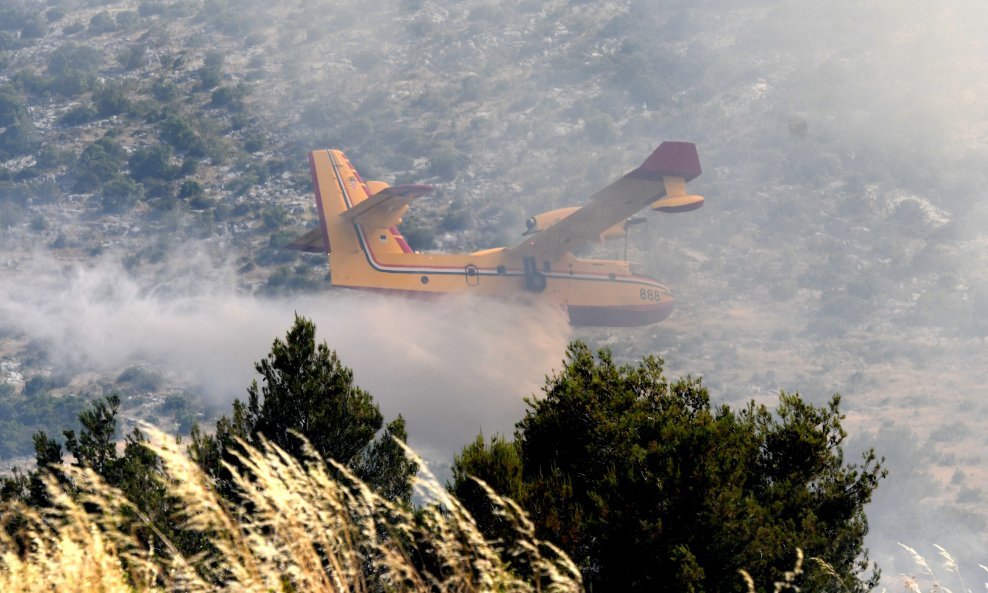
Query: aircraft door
472, 275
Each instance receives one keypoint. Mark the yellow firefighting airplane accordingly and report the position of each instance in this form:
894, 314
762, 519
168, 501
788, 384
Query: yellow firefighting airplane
358, 229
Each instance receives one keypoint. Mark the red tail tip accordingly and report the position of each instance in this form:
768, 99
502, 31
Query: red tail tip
674, 158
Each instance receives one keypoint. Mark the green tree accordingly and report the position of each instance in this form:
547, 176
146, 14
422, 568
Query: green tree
154, 162
96, 445
496, 463
230, 97
80, 114
165, 91
18, 139
138, 474
305, 389
102, 158
180, 132
120, 194
648, 487
211, 72
72, 69
111, 99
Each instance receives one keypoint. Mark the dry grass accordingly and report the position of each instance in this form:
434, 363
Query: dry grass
306, 531
928, 579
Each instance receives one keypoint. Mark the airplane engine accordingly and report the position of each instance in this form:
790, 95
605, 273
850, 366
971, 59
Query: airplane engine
541, 222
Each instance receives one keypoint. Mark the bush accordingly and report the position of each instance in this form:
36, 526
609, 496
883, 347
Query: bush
180, 132
600, 128
230, 97
120, 194
111, 99
51, 156
102, 22
140, 378
24, 416
18, 139
154, 162
148, 8
190, 190
165, 91
8, 41
133, 57
78, 115
55, 14
72, 57
211, 72
102, 159
445, 160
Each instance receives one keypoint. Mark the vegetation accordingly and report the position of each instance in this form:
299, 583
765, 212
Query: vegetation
533, 98
343, 528
637, 478
299, 527
647, 486
307, 392
21, 416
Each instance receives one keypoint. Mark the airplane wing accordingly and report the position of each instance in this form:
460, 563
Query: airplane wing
660, 181
385, 208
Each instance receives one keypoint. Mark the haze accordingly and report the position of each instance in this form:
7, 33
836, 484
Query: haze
841, 247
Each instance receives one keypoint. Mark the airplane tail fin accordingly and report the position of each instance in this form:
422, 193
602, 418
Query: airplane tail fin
331, 200
675, 159
676, 163
351, 229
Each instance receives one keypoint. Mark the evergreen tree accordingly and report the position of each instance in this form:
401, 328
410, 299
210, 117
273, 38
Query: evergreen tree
305, 390
649, 487
138, 474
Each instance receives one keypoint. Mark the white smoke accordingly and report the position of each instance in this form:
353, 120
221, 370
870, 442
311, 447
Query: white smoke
451, 367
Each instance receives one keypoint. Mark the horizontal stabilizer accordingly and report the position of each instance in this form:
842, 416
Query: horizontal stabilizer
677, 203
311, 242
386, 207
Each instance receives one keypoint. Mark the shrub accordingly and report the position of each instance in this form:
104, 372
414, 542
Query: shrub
111, 99
154, 162
102, 22
102, 159
120, 194
132, 57
165, 91
230, 97
78, 115
18, 139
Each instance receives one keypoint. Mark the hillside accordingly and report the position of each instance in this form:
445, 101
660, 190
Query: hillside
841, 247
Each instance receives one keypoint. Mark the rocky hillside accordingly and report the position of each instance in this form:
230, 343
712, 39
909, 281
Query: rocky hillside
843, 145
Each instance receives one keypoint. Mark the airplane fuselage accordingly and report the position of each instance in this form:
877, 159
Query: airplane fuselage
593, 291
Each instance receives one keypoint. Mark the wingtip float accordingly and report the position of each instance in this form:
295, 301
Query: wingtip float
359, 230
